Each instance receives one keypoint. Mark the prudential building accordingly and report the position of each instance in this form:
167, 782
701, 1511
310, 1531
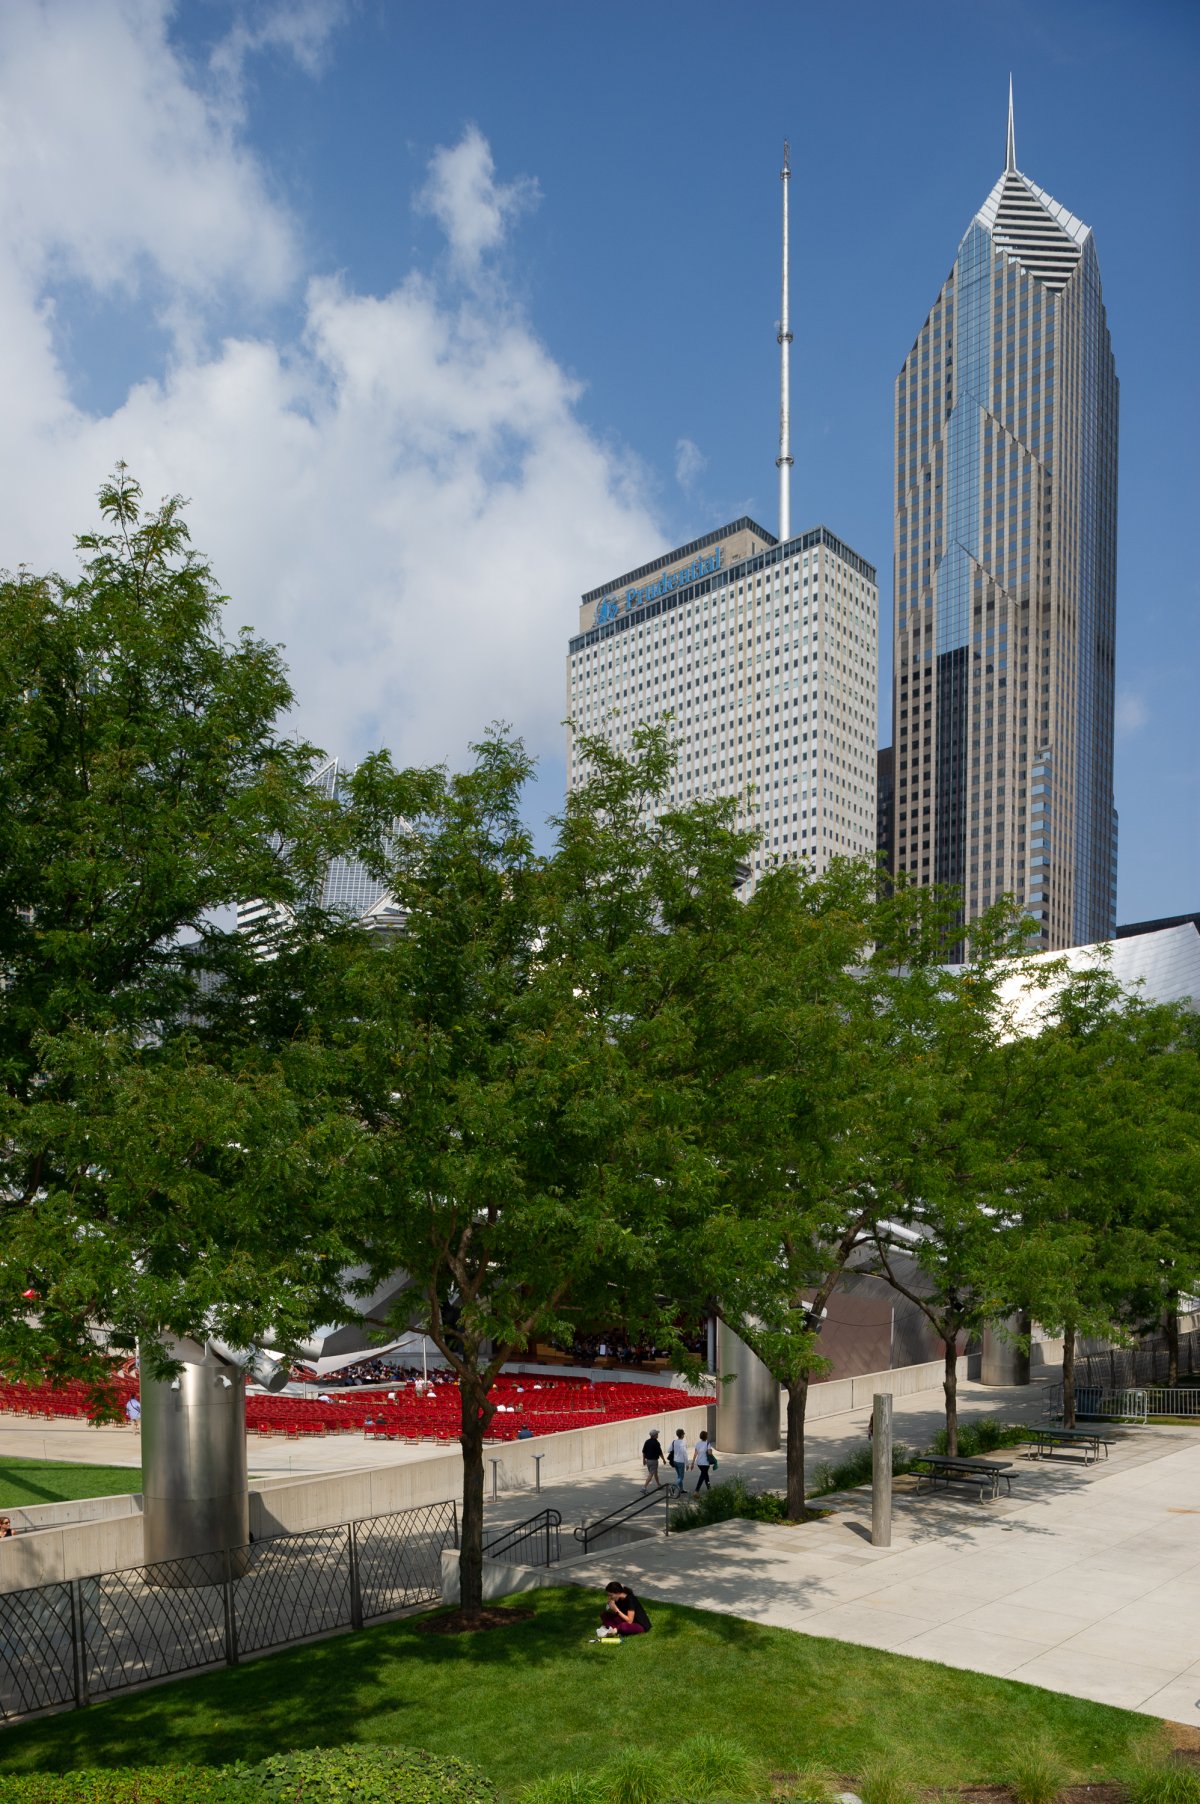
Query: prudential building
1005, 573
761, 650
763, 653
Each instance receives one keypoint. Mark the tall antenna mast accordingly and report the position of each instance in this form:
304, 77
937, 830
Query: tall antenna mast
784, 460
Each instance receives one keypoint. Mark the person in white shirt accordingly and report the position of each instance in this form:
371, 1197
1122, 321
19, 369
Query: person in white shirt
702, 1459
677, 1453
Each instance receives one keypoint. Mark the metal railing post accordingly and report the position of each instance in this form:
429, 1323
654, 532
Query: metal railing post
231, 1642
455, 1507
78, 1645
537, 1471
356, 1610
495, 1471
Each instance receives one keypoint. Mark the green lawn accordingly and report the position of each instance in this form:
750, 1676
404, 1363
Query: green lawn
539, 1698
28, 1481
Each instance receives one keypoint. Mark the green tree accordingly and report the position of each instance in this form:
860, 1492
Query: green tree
787, 1047
1108, 1084
520, 1066
951, 1156
150, 1148
829, 1010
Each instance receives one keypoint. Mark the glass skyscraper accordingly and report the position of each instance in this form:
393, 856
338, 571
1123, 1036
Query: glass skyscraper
1005, 573
348, 888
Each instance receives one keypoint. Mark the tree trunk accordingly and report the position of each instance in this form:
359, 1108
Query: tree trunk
1172, 1327
797, 1407
950, 1386
470, 1558
1069, 1375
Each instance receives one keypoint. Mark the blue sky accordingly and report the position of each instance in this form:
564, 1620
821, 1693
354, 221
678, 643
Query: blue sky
442, 315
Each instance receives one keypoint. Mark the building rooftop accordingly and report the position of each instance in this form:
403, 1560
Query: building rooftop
1161, 965
1030, 224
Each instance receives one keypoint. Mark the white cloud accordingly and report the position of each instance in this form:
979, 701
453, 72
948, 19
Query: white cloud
472, 208
690, 463
401, 492
115, 168
301, 29
1131, 711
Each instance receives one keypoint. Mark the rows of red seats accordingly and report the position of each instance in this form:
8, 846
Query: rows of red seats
547, 1406
74, 1399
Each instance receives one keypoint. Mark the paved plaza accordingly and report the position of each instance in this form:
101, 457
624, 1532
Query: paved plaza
1086, 1581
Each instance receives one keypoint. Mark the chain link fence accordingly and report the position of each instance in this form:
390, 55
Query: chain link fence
67, 1643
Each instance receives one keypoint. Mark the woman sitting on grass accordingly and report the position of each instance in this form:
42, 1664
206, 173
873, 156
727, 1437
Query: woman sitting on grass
624, 1614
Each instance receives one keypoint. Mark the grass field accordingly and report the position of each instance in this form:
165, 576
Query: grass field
540, 1697
28, 1481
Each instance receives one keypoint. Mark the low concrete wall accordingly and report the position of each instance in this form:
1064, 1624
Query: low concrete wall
48, 1554
80, 1509
842, 1394
499, 1578
289, 1505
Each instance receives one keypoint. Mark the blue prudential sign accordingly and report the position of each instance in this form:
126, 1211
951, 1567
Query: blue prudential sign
612, 605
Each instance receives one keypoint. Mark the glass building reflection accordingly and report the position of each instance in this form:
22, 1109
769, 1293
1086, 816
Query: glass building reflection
1005, 573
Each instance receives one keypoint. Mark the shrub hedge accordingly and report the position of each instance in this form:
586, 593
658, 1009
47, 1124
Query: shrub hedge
360, 1774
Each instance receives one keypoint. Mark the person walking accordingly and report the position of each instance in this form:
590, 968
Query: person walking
133, 1414
678, 1456
704, 1459
652, 1458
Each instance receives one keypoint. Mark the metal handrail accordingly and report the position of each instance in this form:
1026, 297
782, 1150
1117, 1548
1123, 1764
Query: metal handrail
587, 1532
546, 1523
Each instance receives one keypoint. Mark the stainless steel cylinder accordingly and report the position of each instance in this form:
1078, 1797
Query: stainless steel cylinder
748, 1404
881, 1470
1003, 1362
194, 1482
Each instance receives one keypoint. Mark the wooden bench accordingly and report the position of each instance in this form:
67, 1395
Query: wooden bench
934, 1469
1091, 1440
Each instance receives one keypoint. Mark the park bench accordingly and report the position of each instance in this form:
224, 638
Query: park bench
1047, 1437
934, 1469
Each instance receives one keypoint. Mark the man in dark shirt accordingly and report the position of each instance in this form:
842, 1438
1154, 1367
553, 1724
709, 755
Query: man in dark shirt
652, 1458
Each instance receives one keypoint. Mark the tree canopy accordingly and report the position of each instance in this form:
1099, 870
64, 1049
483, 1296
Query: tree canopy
151, 1146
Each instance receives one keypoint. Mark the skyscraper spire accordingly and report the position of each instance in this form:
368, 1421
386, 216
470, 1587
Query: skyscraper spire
784, 460
1010, 148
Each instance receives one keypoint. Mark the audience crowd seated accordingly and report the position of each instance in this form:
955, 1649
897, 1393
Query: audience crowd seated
615, 1348
374, 1372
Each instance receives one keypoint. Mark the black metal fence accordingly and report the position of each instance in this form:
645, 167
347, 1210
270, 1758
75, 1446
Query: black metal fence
1119, 1368
69, 1642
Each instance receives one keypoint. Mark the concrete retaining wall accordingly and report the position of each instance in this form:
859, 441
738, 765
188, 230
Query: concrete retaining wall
499, 1578
841, 1394
48, 1554
289, 1505
81, 1509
